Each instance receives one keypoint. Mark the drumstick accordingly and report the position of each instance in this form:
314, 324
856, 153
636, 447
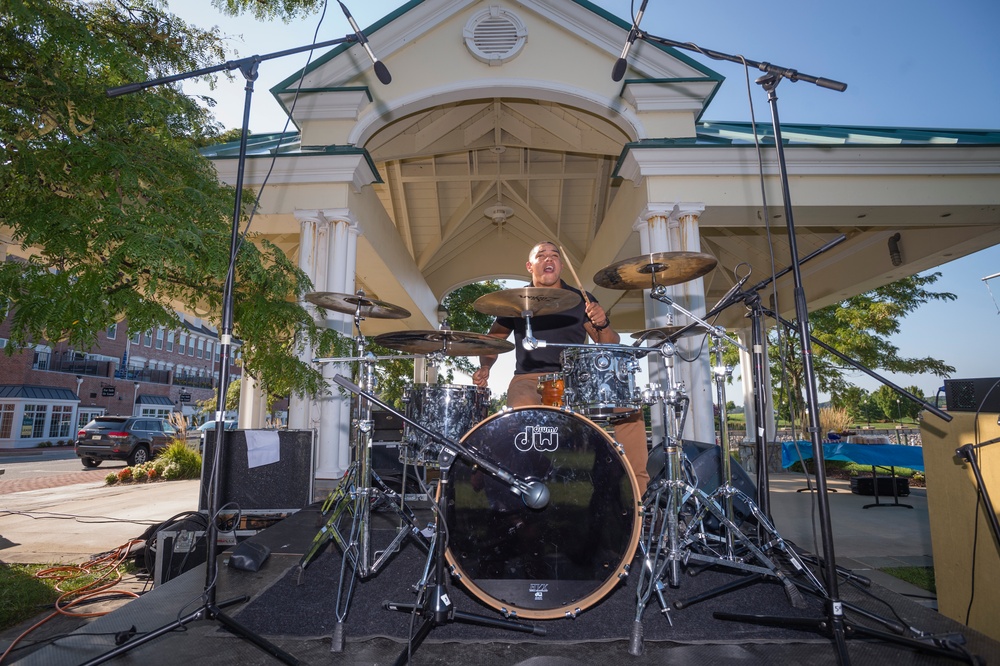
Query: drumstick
575, 276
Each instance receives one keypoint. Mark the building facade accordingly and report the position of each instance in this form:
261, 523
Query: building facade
50, 390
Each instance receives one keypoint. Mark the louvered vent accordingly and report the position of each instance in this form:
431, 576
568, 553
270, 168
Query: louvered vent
495, 35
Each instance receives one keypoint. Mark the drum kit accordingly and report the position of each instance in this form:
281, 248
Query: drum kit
537, 512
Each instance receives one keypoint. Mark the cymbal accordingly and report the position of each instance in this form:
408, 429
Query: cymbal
451, 343
658, 268
536, 301
348, 304
666, 332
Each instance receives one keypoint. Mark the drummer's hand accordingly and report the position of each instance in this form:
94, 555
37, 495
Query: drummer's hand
480, 376
596, 314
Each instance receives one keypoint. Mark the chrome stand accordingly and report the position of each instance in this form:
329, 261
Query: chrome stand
357, 495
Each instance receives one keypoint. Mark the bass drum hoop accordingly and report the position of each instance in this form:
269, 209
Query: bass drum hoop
614, 575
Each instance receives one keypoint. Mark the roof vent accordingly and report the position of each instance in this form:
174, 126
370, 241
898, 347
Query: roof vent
495, 35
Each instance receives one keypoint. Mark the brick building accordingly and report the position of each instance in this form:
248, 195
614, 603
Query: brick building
48, 391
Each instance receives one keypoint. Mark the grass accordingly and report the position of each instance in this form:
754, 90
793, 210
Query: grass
922, 577
29, 589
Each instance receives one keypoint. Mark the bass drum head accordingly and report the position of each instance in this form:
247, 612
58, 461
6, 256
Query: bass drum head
551, 562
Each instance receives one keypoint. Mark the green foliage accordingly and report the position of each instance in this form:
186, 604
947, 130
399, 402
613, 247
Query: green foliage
21, 594
180, 462
859, 328
922, 577
119, 215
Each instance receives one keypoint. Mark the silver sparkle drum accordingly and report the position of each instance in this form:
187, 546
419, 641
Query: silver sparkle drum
448, 409
555, 561
600, 382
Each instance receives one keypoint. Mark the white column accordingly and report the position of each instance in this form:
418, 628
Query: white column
253, 404
337, 266
298, 404
746, 374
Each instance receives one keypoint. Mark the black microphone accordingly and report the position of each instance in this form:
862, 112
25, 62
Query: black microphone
622, 63
381, 71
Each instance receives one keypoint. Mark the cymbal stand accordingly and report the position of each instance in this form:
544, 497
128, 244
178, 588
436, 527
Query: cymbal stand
359, 492
666, 545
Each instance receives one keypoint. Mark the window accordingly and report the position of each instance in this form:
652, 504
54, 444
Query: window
201, 347
41, 361
86, 416
6, 419
191, 346
208, 350
159, 338
170, 341
182, 345
135, 338
33, 421
147, 338
112, 331
62, 419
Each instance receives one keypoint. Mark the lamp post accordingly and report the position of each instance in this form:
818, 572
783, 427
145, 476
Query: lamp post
135, 397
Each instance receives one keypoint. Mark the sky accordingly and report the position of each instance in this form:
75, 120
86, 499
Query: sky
907, 63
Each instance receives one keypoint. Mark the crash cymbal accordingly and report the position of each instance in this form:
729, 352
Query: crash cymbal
348, 304
666, 332
658, 268
536, 301
451, 343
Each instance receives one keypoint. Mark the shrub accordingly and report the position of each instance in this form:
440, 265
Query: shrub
111, 479
125, 474
181, 461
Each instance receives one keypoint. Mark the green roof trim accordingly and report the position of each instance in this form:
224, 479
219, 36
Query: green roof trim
287, 143
729, 134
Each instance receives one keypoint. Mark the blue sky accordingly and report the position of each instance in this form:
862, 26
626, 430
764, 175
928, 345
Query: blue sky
913, 63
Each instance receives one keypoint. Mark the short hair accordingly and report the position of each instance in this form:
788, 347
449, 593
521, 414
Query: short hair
545, 242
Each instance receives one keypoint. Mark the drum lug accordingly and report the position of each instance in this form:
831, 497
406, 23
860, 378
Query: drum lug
571, 615
510, 615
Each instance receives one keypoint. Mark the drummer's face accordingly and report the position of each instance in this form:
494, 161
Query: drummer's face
545, 265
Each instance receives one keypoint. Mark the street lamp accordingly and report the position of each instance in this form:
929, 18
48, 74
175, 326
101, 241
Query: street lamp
135, 397
899, 416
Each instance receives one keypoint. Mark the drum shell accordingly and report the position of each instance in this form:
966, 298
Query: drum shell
447, 409
600, 382
551, 387
554, 561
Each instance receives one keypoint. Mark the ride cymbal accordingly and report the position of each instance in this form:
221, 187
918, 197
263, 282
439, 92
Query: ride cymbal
450, 343
349, 303
536, 301
658, 268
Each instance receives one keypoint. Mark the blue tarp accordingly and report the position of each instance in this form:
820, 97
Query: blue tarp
883, 455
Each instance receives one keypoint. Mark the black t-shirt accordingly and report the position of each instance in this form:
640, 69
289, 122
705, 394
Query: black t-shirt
562, 327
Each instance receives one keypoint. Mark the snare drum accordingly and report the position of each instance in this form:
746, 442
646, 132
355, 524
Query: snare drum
600, 382
551, 388
555, 561
450, 410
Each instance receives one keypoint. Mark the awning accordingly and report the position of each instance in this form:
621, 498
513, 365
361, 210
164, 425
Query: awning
154, 400
37, 392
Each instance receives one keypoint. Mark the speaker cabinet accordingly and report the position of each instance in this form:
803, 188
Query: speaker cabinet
283, 486
972, 395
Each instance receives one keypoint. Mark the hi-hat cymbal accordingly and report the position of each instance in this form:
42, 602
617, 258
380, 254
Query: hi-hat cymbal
666, 332
450, 343
658, 268
348, 304
536, 301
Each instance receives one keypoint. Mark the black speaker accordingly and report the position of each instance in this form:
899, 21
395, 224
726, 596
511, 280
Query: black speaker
387, 426
285, 485
706, 464
973, 395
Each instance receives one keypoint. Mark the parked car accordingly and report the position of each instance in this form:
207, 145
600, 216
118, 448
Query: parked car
134, 439
203, 429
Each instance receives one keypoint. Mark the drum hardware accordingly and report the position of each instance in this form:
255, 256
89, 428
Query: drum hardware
667, 544
356, 304
436, 607
360, 491
445, 342
655, 269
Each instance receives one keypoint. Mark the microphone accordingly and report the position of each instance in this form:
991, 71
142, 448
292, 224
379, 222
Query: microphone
381, 71
622, 63
535, 494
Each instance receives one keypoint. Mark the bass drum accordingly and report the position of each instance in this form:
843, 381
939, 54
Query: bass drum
559, 560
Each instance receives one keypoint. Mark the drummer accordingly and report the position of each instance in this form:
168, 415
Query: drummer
572, 326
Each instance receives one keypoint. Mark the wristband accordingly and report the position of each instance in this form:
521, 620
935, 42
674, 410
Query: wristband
607, 322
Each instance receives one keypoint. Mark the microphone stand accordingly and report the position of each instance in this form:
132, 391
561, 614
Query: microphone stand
834, 621
210, 609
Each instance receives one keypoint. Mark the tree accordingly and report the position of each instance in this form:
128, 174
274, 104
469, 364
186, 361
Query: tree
118, 214
859, 328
